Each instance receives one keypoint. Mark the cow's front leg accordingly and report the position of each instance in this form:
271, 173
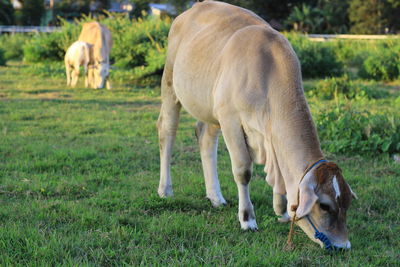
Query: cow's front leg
207, 136
241, 168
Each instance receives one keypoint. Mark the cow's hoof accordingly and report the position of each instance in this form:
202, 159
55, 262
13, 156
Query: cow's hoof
284, 218
217, 201
165, 192
250, 225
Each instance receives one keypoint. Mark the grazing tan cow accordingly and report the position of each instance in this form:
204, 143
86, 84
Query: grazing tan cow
234, 73
99, 36
77, 55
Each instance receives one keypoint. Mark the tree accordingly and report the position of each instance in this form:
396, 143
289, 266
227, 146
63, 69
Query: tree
374, 16
335, 17
305, 19
6, 13
366, 16
75, 8
273, 9
140, 6
31, 12
391, 11
328, 16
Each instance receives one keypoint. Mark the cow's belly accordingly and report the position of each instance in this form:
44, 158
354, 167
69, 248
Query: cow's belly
194, 103
195, 94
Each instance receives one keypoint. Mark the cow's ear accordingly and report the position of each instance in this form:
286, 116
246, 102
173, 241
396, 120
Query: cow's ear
307, 197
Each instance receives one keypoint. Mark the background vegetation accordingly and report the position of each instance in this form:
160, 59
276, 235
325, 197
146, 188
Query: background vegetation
311, 16
140, 45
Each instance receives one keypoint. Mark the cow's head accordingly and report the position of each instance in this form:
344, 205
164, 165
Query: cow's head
324, 198
99, 74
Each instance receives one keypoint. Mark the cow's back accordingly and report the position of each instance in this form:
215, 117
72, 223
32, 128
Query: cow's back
99, 36
207, 45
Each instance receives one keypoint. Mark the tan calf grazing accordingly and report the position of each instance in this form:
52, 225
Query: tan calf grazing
99, 36
77, 55
234, 73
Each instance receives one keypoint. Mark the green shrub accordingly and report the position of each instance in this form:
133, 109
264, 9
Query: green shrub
316, 59
382, 63
330, 88
13, 45
43, 47
51, 47
2, 58
348, 130
373, 59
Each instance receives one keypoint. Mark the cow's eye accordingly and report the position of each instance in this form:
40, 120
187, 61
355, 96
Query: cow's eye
324, 207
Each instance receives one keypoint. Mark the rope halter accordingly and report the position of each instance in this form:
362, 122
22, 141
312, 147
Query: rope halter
318, 235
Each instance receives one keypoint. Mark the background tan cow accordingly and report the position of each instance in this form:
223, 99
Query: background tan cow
234, 73
99, 68
78, 54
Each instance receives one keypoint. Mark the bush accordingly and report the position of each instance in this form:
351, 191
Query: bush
2, 58
332, 88
378, 60
13, 45
382, 63
51, 47
43, 47
348, 130
316, 59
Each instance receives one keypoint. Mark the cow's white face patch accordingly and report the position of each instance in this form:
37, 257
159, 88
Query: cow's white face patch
336, 186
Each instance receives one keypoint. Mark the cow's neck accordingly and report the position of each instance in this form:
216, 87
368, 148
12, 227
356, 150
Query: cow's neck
293, 139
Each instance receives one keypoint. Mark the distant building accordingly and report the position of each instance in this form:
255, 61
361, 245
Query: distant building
162, 9
123, 7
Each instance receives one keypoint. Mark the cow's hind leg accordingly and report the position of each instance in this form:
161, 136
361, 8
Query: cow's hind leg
207, 136
75, 75
86, 74
68, 72
108, 83
167, 125
241, 168
280, 203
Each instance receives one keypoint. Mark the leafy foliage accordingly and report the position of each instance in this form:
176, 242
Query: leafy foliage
327, 16
372, 16
305, 18
349, 130
382, 63
13, 45
2, 58
331, 88
69, 9
31, 12
317, 59
6, 12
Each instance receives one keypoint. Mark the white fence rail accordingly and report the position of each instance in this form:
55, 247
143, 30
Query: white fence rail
27, 29
327, 37
312, 37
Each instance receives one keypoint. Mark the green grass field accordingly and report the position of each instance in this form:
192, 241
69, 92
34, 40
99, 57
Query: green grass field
79, 176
